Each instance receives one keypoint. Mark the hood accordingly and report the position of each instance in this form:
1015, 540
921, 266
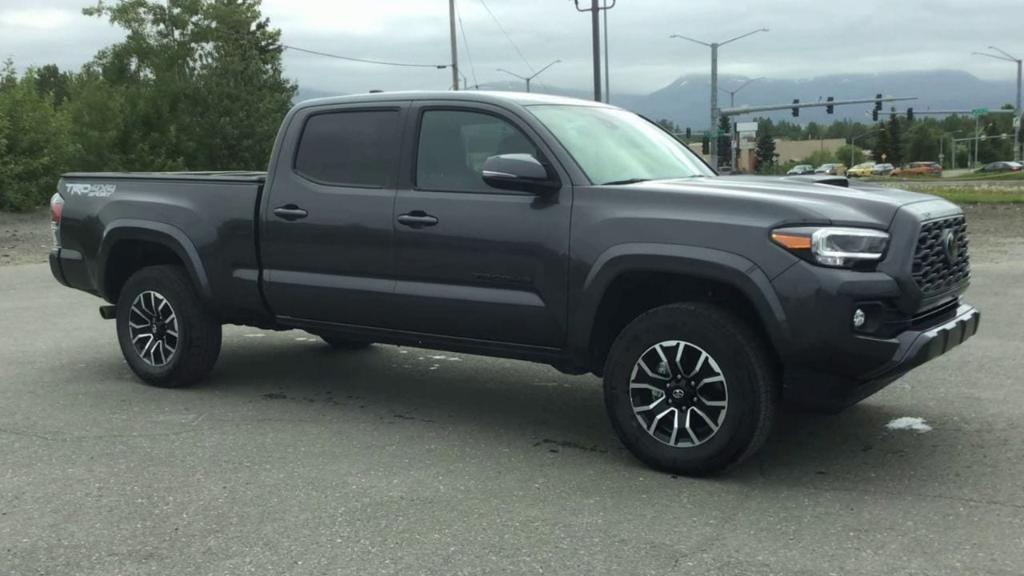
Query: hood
851, 205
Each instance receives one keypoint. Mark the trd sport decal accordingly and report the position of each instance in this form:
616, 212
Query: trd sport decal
91, 190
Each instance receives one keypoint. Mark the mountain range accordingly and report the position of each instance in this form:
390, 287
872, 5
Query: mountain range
685, 100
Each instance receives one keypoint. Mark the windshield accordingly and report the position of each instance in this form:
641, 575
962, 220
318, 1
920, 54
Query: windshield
614, 146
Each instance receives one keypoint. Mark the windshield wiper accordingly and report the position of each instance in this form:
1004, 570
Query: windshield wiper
626, 181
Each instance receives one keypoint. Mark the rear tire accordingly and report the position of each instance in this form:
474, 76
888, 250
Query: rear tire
690, 389
340, 343
166, 335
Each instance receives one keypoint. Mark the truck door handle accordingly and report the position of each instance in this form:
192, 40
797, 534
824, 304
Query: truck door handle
417, 219
290, 212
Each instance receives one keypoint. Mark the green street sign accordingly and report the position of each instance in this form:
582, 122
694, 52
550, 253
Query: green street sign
979, 111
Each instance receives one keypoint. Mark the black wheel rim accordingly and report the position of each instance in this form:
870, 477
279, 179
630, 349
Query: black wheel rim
153, 328
678, 393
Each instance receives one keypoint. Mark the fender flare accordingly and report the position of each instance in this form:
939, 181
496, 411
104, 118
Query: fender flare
158, 233
704, 263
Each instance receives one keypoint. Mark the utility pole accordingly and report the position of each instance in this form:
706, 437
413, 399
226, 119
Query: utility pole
595, 25
1018, 117
607, 73
713, 130
455, 50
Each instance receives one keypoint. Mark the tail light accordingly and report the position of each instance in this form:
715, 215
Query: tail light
56, 212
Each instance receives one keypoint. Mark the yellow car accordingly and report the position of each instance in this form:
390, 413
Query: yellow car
861, 170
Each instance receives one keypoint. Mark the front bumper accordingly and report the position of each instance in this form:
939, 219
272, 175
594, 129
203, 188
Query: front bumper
832, 392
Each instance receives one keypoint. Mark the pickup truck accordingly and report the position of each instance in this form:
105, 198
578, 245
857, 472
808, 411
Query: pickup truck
545, 229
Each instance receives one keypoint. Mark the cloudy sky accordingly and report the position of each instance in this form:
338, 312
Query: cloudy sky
807, 38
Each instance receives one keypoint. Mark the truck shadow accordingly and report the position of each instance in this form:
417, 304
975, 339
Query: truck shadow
486, 399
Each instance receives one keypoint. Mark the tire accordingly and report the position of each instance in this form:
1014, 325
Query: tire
724, 382
340, 343
196, 340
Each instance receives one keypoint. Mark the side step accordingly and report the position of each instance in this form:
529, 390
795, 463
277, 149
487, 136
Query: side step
108, 312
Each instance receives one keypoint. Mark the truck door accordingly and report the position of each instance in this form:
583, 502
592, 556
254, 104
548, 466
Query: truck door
327, 236
473, 261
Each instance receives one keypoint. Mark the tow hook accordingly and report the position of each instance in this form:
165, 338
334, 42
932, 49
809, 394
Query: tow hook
108, 312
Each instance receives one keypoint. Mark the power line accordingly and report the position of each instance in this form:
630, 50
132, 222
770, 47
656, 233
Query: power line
465, 42
507, 37
365, 60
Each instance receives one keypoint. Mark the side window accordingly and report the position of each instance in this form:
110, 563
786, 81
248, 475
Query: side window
454, 145
357, 148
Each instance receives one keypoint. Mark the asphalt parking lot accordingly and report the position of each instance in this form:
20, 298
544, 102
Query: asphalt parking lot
294, 459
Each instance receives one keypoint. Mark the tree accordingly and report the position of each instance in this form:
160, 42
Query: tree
33, 142
847, 151
724, 141
202, 83
765, 151
895, 135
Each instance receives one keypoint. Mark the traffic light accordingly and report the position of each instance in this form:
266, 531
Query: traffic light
830, 109
688, 134
878, 102
705, 144
796, 109
910, 114
874, 114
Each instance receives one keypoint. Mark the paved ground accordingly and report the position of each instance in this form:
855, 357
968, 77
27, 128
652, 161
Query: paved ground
297, 460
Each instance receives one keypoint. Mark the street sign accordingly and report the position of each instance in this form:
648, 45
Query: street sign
746, 126
979, 111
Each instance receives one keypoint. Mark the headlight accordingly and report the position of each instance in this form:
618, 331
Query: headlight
836, 247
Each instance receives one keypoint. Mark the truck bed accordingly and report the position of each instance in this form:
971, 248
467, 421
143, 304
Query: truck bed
206, 220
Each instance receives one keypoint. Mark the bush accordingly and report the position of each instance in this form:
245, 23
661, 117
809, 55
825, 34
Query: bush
34, 147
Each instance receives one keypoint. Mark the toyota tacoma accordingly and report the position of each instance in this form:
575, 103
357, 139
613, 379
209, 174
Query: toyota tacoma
546, 229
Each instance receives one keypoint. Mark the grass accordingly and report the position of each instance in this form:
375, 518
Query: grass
973, 195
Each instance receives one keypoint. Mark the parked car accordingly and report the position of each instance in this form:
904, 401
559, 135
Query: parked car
800, 170
919, 169
1001, 167
884, 169
555, 230
831, 169
862, 170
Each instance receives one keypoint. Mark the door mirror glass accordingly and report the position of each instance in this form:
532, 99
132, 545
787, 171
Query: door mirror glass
518, 172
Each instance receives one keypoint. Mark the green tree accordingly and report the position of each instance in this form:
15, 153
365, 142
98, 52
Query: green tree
895, 138
845, 152
203, 85
765, 150
33, 142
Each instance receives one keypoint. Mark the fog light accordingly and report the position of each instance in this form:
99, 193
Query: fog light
859, 318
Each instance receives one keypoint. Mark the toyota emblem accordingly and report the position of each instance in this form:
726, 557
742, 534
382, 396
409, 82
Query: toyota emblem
951, 245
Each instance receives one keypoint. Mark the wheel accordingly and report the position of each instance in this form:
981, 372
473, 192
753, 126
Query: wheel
166, 335
690, 389
340, 343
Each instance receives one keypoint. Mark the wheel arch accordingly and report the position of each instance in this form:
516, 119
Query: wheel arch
679, 273
123, 250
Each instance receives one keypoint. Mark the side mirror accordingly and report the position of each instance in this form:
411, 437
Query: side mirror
520, 172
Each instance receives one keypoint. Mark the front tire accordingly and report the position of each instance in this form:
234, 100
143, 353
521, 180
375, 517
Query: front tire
166, 335
690, 389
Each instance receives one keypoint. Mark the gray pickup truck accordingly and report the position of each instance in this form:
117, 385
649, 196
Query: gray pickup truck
546, 229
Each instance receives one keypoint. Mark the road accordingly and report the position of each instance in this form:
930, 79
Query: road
294, 459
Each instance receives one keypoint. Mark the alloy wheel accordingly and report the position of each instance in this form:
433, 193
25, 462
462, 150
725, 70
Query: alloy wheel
153, 328
678, 393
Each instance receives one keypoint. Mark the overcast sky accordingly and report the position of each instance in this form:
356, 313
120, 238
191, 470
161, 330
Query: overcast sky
807, 38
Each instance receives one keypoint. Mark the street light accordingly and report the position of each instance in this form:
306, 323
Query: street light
529, 78
714, 80
732, 93
1002, 55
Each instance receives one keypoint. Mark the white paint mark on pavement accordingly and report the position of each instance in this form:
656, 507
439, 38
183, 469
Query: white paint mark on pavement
909, 423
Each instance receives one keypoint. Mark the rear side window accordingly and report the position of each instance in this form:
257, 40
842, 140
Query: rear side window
357, 148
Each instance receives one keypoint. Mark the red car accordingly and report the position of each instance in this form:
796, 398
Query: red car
919, 169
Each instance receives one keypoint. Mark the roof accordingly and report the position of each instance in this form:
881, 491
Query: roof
485, 96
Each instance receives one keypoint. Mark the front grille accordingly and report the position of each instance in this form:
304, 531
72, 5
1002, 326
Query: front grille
934, 270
